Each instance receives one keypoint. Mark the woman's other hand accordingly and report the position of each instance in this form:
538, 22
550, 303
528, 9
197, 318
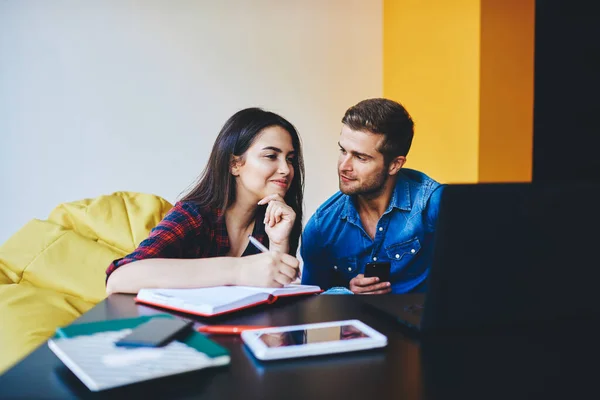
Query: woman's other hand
279, 221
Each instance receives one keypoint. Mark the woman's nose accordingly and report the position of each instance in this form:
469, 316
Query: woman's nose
284, 167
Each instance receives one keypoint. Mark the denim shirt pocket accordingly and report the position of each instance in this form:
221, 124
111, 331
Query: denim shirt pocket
401, 255
345, 267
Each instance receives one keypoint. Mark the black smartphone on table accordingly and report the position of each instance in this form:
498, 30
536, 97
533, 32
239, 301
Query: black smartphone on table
380, 269
155, 333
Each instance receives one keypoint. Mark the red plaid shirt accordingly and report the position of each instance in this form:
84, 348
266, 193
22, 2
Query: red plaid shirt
190, 232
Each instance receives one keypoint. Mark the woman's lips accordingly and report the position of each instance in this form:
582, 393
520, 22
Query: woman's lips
281, 183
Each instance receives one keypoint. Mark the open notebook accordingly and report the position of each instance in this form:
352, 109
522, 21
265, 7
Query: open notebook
219, 299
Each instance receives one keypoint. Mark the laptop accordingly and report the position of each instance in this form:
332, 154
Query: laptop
508, 254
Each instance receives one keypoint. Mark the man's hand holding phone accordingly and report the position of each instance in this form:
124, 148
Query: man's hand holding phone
361, 285
374, 281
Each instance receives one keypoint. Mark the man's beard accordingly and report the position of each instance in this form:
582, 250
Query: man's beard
370, 188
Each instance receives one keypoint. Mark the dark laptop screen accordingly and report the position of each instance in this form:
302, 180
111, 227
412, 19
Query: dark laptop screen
511, 253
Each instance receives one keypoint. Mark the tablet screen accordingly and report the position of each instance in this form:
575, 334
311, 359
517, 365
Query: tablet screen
312, 335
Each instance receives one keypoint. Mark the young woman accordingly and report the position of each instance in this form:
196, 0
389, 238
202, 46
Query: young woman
253, 184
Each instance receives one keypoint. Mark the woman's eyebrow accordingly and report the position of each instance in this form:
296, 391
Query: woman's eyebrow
277, 150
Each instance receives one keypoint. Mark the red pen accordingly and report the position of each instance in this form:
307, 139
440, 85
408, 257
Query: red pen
228, 329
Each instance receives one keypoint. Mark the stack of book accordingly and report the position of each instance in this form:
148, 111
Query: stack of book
89, 351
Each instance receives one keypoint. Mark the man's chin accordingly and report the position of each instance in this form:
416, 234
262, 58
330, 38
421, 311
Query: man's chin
347, 189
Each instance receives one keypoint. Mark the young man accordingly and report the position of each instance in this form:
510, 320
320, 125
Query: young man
382, 213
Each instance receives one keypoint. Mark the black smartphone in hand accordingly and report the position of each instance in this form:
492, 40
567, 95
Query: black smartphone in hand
380, 269
155, 333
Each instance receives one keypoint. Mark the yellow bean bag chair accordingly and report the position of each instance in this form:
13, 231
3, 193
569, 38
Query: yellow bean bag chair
53, 271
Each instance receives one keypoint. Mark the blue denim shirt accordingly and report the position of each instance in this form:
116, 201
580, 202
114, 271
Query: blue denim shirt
335, 246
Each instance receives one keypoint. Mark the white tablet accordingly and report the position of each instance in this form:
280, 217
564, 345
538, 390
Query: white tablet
312, 339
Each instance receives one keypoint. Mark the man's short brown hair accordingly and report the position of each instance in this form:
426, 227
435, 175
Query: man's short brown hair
383, 117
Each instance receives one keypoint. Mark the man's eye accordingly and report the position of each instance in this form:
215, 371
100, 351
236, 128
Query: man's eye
290, 160
361, 158
271, 156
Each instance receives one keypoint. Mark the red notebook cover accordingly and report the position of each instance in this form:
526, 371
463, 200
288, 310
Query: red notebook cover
194, 301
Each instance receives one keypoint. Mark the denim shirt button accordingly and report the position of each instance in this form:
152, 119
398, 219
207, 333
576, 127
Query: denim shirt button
397, 255
349, 269
380, 228
374, 258
335, 267
412, 251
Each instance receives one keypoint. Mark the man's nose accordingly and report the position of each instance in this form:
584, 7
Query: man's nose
345, 164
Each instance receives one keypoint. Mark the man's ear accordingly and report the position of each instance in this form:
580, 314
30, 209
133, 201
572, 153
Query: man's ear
396, 164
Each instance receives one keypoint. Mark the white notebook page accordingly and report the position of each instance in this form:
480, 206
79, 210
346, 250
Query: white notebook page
213, 296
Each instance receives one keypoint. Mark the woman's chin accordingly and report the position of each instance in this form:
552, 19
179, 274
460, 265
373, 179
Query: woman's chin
275, 190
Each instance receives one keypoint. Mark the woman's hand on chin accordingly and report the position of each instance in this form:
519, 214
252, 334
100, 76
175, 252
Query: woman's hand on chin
279, 220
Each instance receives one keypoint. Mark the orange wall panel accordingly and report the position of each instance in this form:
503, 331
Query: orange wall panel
464, 71
506, 90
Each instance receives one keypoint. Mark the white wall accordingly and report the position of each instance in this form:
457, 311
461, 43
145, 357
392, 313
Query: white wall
101, 96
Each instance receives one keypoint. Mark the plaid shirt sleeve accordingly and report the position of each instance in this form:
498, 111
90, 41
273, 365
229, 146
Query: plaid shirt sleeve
168, 239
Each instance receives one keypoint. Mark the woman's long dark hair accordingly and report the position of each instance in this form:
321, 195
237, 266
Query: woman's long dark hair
216, 187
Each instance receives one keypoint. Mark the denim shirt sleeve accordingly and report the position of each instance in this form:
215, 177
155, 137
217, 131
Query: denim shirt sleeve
433, 208
315, 270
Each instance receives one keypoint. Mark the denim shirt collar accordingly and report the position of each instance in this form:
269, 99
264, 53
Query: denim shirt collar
400, 200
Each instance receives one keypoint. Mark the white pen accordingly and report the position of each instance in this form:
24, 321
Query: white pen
257, 244
262, 247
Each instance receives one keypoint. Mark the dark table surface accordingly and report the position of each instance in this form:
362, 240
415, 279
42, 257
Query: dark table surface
556, 359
